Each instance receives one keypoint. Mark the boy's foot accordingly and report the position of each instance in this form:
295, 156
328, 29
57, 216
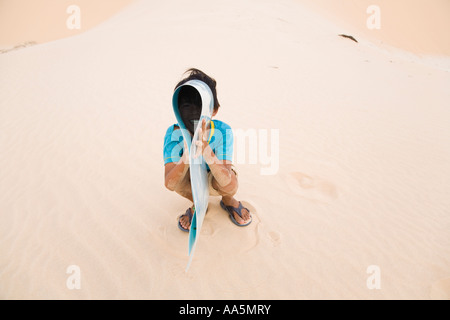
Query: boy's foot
184, 221
239, 215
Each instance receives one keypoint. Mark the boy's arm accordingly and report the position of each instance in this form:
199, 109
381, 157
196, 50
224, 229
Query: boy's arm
220, 169
175, 171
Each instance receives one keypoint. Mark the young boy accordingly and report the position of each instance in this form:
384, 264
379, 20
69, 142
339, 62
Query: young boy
217, 150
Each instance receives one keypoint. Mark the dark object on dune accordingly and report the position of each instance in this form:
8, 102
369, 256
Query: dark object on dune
19, 46
348, 37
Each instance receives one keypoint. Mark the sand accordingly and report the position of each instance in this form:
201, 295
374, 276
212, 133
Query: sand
355, 205
32, 22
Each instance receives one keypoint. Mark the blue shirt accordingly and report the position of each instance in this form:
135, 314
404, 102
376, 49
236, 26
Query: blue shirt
220, 141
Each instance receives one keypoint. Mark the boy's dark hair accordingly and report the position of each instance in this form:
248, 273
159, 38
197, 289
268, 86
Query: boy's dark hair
196, 74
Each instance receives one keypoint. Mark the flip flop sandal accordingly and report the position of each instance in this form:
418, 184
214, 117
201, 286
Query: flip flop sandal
188, 213
238, 210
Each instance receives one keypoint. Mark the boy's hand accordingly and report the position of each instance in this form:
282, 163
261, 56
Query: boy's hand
202, 141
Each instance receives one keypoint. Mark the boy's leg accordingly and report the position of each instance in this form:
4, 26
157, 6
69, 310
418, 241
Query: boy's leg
228, 197
184, 189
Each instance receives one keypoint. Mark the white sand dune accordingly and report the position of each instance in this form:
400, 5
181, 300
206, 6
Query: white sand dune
363, 177
412, 25
39, 21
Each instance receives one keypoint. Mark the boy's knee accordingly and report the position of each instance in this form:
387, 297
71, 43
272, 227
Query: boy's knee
183, 187
228, 190
169, 187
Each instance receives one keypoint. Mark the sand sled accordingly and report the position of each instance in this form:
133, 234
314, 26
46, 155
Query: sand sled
198, 172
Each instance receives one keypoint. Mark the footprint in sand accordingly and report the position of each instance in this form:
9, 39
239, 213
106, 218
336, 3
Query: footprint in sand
254, 238
259, 230
207, 229
244, 238
217, 224
311, 187
274, 237
255, 225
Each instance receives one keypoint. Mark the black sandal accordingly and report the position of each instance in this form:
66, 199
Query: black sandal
238, 210
188, 213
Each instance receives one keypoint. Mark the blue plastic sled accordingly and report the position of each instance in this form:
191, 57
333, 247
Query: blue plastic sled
198, 172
